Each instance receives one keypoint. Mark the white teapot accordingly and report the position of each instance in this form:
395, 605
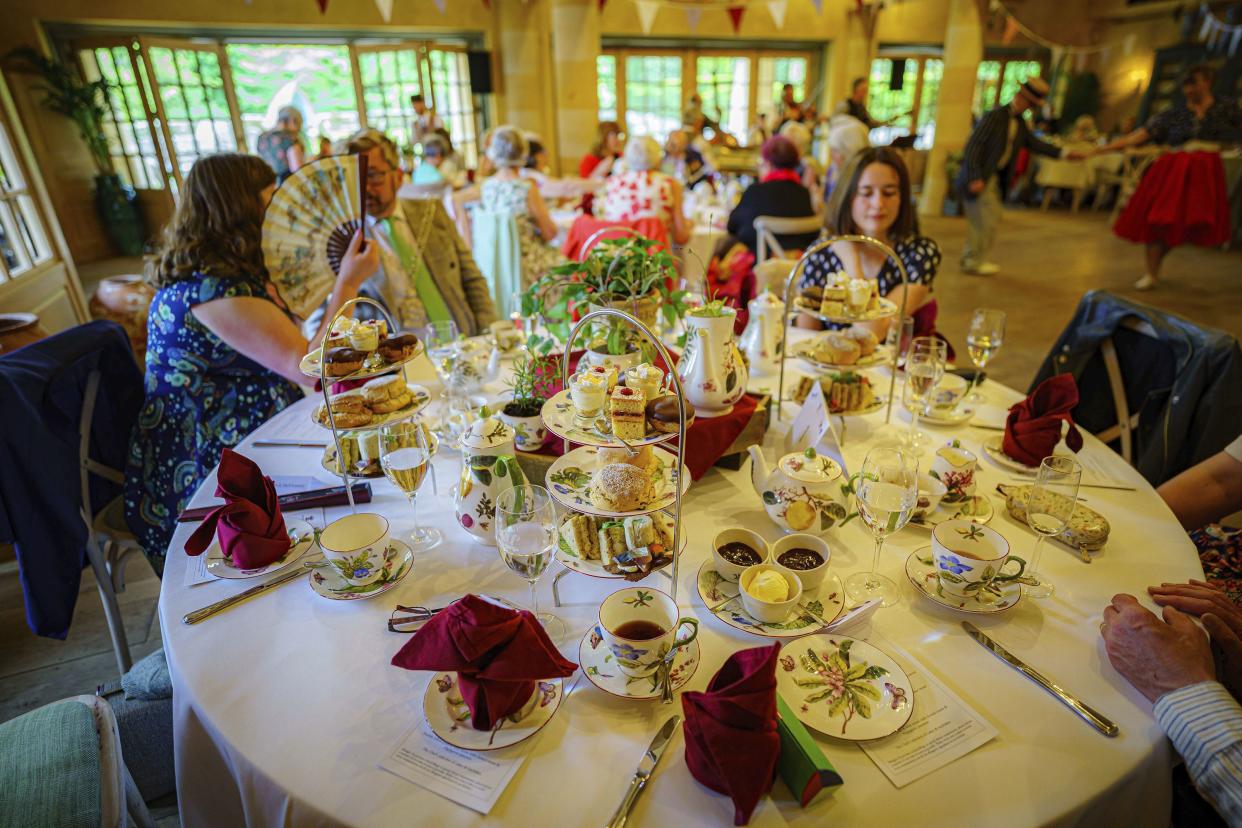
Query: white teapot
488, 467
474, 363
711, 368
761, 341
804, 493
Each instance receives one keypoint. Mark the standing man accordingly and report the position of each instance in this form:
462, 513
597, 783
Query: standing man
790, 109
426, 121
990, 151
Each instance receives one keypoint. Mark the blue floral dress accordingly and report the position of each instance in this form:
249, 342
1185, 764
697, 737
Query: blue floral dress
201, 396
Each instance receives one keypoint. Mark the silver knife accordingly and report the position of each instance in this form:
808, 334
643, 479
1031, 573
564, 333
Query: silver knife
211, 609
1090, 715
645, 766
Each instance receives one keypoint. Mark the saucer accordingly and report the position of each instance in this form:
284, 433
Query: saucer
715, 591
597, 663
570, 475
955, 416
921, 570
449, 718
814, 679
223, 567
398, 561
976, 508
994, 449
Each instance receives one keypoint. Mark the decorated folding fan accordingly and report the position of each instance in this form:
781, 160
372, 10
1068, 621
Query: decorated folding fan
308, 225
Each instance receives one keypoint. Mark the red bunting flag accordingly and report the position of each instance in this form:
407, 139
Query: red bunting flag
322, 4
601, 4
735, 15
1011, 31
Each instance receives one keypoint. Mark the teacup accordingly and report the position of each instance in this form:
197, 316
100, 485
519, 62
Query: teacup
810, 576
931, 492
726, 568
355, 545
969, 556
505, 335
955, 467
640, 625
760, 609
948, 393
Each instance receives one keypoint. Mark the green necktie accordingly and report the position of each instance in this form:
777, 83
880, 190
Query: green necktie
428, 293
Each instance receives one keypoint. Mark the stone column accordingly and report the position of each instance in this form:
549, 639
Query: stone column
963, 49
575, 46
524, 73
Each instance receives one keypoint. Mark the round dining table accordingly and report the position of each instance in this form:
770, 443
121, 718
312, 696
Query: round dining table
286, 703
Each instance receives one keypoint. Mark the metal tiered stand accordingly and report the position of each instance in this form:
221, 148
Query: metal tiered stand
317, 368
790, 310
681, 477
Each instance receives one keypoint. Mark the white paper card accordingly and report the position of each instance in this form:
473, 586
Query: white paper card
295, 425
811, 424
942, 728
471, 778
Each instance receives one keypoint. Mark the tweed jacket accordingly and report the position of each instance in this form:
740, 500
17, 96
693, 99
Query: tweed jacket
986, 145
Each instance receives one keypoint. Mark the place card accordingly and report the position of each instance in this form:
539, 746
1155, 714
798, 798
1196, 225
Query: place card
811, 424
942, 728
296, 425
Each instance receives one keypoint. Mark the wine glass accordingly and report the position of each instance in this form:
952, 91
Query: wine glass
1049, 508
887, 491
441, 341
405, 457
983, 341
525, 537
924, 369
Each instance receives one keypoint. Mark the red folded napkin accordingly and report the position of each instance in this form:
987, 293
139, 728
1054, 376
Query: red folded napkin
732, 742
498, 654
1034, 425
251, 528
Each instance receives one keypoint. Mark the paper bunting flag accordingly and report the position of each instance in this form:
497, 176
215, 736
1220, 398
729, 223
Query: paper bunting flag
646, 13
385, 9
1011, 31
322, 4
735, 16
440, 5
692, 19
819, 6
777, 9
601, 5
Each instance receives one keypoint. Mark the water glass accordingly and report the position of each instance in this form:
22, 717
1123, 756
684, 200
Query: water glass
1049, 509
924, 370
983, 341
887, 491
526, 527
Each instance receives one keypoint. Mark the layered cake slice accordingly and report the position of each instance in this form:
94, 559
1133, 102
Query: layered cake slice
628, 409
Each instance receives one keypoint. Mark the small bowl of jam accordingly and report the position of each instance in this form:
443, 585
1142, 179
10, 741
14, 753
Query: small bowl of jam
805, 556
735, 550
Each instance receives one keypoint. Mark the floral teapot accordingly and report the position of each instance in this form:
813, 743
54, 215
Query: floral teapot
474, 363
806, 492
488, 467
711, 368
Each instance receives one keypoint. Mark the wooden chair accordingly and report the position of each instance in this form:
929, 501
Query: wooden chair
767, 228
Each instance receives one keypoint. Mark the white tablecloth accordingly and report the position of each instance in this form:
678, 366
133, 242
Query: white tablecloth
284, 704
1080, 174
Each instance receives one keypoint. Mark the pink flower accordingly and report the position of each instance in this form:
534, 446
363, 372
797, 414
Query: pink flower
467, 521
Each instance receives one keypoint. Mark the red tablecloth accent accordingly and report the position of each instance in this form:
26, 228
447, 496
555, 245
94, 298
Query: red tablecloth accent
584, 226
251, 528
1181, 200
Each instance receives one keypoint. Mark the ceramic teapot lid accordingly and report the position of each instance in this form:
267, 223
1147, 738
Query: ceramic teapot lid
808, 466
486, 433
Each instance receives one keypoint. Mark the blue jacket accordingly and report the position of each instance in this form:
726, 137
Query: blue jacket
42, 387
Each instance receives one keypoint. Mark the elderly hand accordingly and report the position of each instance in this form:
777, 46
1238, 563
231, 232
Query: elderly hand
1221, 617
1153, 655
975, 186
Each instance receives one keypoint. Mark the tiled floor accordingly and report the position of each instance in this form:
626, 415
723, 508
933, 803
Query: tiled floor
1049, 260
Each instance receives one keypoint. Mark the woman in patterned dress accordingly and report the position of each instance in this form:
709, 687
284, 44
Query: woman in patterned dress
222, 352
508, 192
642, 191
873, 199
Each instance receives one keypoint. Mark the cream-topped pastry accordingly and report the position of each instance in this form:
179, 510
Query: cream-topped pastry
645, 377
587, 392
364, 338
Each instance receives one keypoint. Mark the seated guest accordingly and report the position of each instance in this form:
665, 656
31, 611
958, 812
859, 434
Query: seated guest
507, 192
873, 199
847, 136
281, 146
438, 164
809, 169
642, 191
779, 192
1200, 498
604, 152
536, 157
682, 161
426, 272
222, 351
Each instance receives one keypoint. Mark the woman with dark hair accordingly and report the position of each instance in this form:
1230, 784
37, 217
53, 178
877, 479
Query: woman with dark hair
779, 192
604, 152
222, 352
873, 199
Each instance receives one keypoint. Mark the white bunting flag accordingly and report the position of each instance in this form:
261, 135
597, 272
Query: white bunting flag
441, 5
385, 9
646, 14
777, 9
819, 6
692, 19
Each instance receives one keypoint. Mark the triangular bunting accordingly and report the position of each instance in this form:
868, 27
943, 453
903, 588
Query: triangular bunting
385, 9
692, 19
323, 5
735, 16
646, 13
777, 9
440, 5
819, 6
1011, 31
601, 4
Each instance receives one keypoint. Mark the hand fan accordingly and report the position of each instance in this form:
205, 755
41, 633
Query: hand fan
308, 225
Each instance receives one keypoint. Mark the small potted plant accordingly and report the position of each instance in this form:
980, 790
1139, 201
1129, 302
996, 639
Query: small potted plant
534, 380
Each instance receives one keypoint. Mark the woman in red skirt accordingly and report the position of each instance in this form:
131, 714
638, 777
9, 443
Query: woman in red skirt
1182, 198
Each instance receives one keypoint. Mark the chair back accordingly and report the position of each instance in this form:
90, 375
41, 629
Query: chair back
587, 231
498, 253
767, 228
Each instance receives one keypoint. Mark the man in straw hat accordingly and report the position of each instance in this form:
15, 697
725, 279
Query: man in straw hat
990, 150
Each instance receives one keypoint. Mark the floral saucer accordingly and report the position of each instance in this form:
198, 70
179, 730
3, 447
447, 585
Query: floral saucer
976, 508
328, 582
569, 480
994, 446
715, 591
558, 416
599, 666
449, 718
223, 567
955, 416
844, 687
921, 570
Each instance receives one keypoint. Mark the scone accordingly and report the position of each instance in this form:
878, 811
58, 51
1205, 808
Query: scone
644, 459
836, 348
867, 340
349, 409
618, 487
627, 409
387, 394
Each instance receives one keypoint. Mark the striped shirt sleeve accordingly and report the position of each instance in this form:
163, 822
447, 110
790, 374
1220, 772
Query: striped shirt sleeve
992, 128
1205, 725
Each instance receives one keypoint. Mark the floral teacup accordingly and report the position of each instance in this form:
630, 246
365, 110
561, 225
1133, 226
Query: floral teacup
640, 625
955, 467
354, 545
969, 556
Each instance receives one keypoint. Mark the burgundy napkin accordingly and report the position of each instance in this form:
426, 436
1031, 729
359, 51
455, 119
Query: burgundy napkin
732, 743
498, 654
1034, 425
251, 528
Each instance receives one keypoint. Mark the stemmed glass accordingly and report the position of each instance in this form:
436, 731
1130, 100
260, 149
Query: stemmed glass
1049, 508
525, 536
983, 341
441, 341
887, 492
405, 457
924, 370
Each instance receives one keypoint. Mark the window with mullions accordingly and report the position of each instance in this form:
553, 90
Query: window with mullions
23, 242
195, 107
135, 157
652, 95
723, 81
450, 80
606, 86
929, 98
389, 78
987, 79
774, 73
884, 103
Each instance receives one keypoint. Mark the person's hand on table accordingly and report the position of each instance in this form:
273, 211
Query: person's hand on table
1156, 656
1220, 616
975, 186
